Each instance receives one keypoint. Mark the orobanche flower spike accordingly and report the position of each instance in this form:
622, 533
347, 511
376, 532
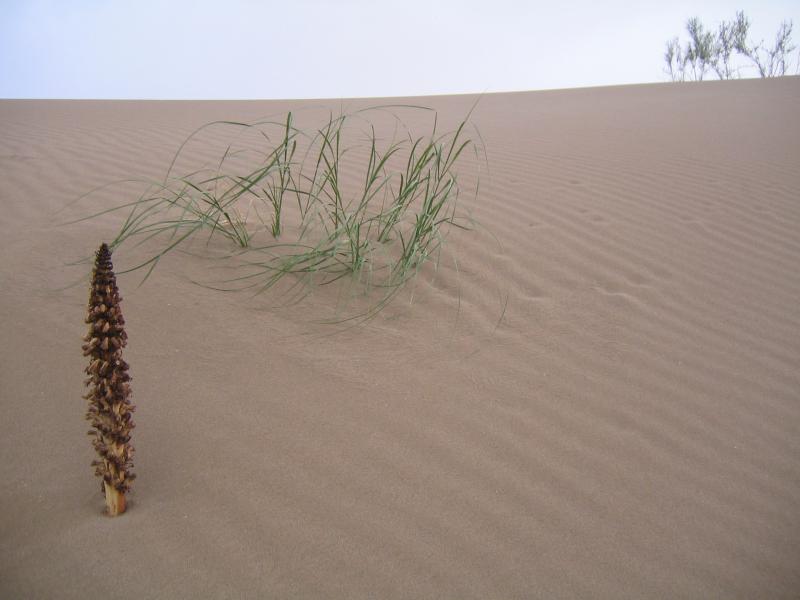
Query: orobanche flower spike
108, 382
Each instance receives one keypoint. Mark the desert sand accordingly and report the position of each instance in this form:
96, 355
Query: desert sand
601, 401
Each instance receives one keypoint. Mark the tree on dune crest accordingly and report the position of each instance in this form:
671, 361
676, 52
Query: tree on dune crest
706, 51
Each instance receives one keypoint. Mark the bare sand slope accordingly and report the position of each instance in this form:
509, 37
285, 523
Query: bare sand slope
603, 401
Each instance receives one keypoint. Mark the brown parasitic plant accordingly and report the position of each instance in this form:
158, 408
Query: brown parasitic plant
110, 408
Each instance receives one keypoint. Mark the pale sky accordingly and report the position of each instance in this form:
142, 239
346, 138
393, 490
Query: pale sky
349, 48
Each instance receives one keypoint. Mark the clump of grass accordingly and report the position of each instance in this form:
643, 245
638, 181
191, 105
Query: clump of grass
377, 224
280, 176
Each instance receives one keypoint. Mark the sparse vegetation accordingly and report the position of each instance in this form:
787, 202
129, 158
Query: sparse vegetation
358, 206
707, 51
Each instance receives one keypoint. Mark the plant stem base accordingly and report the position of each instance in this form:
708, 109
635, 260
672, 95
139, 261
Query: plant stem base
115, 501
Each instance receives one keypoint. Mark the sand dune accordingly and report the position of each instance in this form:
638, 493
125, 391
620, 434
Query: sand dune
601, 400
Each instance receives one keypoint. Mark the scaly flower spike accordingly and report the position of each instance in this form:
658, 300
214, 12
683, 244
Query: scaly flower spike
108, 382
